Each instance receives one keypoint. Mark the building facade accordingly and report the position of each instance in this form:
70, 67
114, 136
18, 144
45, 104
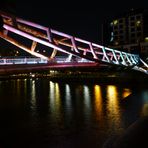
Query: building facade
129, 32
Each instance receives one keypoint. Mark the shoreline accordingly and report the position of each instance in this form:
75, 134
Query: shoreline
111, 77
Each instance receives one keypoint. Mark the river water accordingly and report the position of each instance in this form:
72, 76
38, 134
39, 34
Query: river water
46, 114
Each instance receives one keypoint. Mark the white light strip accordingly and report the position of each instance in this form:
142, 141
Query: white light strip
144, 63
33, 38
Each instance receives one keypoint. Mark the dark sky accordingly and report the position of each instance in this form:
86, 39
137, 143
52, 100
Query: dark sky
79, 18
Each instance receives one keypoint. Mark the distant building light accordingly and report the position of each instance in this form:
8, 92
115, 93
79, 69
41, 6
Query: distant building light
138, 23
111, 39
32, 75
146, 39
112, 36
111, 24
116, 43
115, 22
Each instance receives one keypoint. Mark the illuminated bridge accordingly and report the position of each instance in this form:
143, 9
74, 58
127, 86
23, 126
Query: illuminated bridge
15, 30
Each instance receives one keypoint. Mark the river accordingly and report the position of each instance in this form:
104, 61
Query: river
46, 114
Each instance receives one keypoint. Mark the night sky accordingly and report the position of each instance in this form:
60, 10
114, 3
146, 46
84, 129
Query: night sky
79, 18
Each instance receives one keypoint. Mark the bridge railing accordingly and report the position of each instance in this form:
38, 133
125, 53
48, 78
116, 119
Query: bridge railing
9, 61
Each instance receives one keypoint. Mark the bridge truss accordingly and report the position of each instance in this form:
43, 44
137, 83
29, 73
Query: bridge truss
72, 46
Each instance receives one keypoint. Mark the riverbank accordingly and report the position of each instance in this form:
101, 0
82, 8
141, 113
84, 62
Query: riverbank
101, 75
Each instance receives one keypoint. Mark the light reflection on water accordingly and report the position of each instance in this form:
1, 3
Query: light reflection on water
68, 100
54, 101
98, 104
33, 95
87, 102
90, 111
113, 111
68, 96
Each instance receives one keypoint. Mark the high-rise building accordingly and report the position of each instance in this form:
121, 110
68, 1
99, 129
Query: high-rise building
129, 31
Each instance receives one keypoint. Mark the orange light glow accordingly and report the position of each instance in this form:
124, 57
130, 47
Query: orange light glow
113, 111
98, 101
126, 93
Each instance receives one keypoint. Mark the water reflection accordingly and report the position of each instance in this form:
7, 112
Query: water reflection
51, 94
18, 87
54, 100
98, 102
87, 102
68, 97
57, 97
25, 88
113, 112
69, 112
33, 96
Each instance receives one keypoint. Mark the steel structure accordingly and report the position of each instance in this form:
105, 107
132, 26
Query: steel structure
68, 44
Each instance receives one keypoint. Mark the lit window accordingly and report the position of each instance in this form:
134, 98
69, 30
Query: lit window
138, 23
116, 43
115, 22
111, 24
146, 39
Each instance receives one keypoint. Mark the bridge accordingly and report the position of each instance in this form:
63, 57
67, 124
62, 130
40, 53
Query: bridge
74, 48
